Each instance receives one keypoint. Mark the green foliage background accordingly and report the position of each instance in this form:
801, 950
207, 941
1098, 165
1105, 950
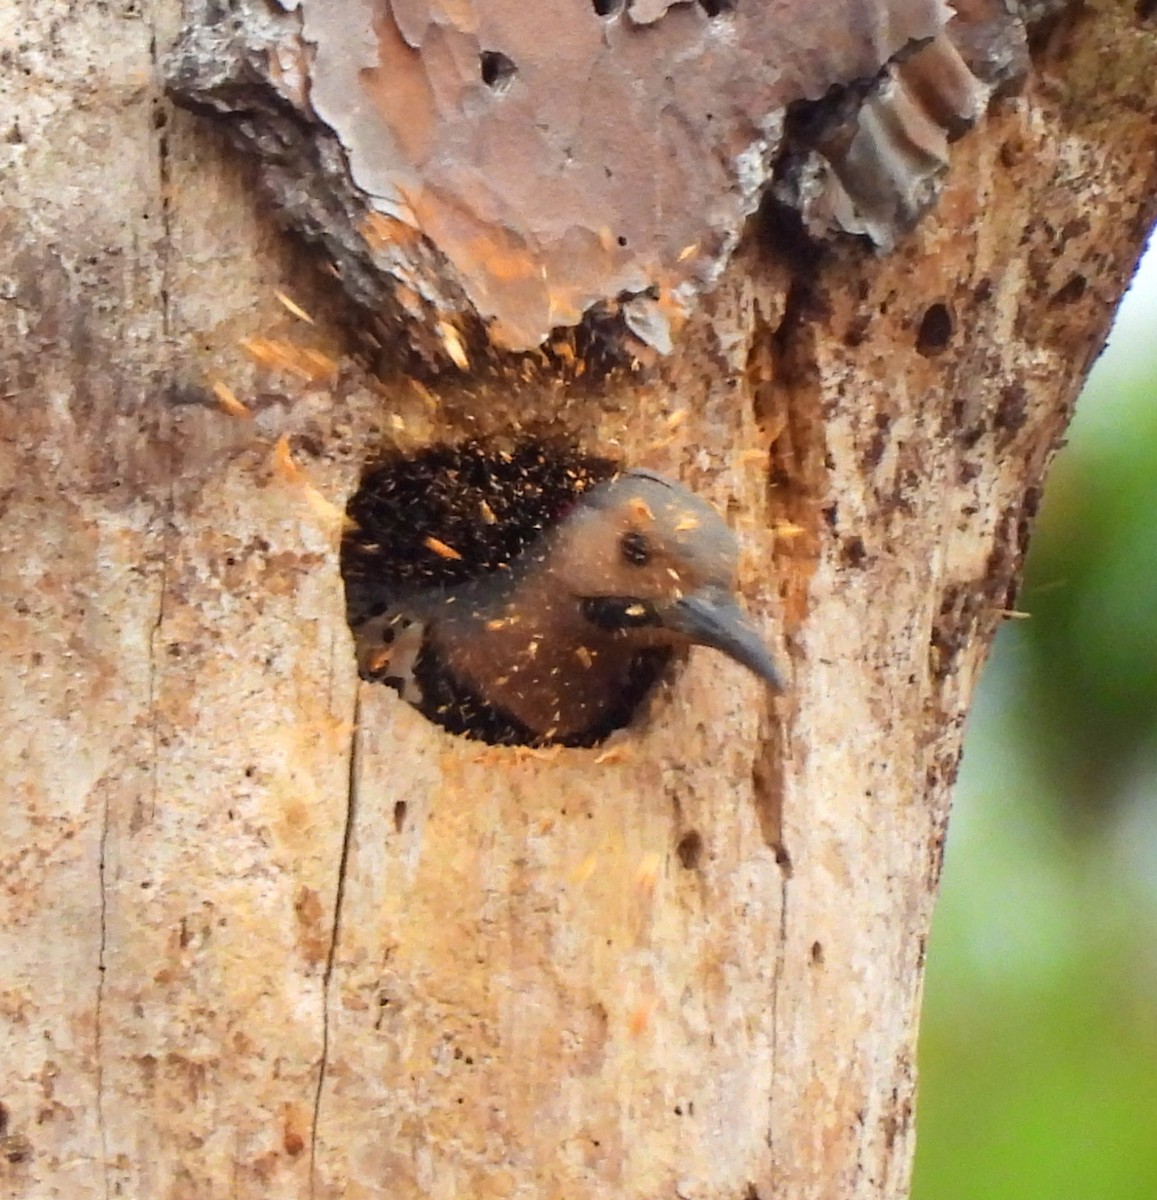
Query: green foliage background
1038, 1052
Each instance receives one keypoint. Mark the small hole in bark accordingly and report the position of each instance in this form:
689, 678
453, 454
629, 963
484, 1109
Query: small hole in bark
607, 8
718, 8
935, 330
853, 552
498, 71
817, 954
383, 1004
399, 816
1012, 411
17, 1150
783, 861
424, 525
690, 849
1071, 292
857, 332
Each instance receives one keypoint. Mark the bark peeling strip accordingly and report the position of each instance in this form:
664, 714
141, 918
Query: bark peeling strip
474, 198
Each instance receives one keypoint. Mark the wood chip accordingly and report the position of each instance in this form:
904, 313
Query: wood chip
440, 548
294, 308
648, 872
284, 465
227, 399
787, 530
310, 366
283, 462
585, 869
641, 509
640, 1017
452, 341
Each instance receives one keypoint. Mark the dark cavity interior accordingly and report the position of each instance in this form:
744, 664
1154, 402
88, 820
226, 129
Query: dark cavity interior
450, 513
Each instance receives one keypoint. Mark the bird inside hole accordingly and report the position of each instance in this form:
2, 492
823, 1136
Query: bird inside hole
560, 644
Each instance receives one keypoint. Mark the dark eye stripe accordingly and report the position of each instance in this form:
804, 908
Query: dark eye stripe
635, 549
615, 613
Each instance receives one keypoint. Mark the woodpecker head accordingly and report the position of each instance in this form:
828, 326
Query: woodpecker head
646, 557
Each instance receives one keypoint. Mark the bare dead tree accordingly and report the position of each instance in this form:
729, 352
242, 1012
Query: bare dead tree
267, 930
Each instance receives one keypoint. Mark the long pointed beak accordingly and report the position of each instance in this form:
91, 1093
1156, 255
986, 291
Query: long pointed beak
710, 617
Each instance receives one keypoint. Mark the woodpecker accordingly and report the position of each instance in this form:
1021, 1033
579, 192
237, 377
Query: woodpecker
560, 644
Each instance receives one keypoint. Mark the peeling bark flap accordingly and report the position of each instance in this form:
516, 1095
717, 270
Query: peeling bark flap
524, 161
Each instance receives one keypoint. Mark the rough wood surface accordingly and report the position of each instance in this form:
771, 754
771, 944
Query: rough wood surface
524, 167
266, 932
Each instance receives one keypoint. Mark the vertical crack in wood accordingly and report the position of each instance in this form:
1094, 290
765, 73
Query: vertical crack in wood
101, 967
335, 934
767, 786
106, 829
165, 178
160, 430
154, 635
780, 961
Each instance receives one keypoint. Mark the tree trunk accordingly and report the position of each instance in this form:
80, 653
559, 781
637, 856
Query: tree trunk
267, 931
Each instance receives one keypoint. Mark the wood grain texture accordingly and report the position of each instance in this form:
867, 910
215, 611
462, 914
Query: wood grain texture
265, 931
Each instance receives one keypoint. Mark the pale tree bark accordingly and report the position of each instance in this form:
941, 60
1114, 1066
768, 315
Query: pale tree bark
267, 931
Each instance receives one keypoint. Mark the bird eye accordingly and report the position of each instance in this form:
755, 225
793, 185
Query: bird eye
635, 548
